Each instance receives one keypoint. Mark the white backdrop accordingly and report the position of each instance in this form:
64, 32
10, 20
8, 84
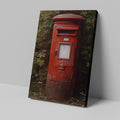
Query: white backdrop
18, 29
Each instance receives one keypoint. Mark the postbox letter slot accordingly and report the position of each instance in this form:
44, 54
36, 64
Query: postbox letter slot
66, 31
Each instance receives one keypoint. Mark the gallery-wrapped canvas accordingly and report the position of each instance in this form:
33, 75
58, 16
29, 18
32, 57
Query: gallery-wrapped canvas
63, 56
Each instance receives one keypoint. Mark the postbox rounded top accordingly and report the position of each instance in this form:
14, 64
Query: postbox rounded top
68, 17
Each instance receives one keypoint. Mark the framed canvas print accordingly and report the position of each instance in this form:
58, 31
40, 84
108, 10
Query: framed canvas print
63, 56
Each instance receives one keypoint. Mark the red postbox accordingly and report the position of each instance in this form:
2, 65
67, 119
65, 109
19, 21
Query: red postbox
64, 55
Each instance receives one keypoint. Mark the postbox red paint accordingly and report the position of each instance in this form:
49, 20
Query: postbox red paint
62, 69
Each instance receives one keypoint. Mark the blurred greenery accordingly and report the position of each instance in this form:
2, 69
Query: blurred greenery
42, 52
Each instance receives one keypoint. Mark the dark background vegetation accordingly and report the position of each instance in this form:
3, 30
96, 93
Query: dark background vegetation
42, 52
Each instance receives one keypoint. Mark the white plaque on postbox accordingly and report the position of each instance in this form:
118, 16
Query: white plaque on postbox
66, 39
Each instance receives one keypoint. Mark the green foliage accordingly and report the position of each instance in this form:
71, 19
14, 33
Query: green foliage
87, 44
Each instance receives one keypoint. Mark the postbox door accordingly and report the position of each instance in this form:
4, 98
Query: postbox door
64, 58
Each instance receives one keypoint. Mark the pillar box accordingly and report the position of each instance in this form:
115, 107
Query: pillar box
64, 53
